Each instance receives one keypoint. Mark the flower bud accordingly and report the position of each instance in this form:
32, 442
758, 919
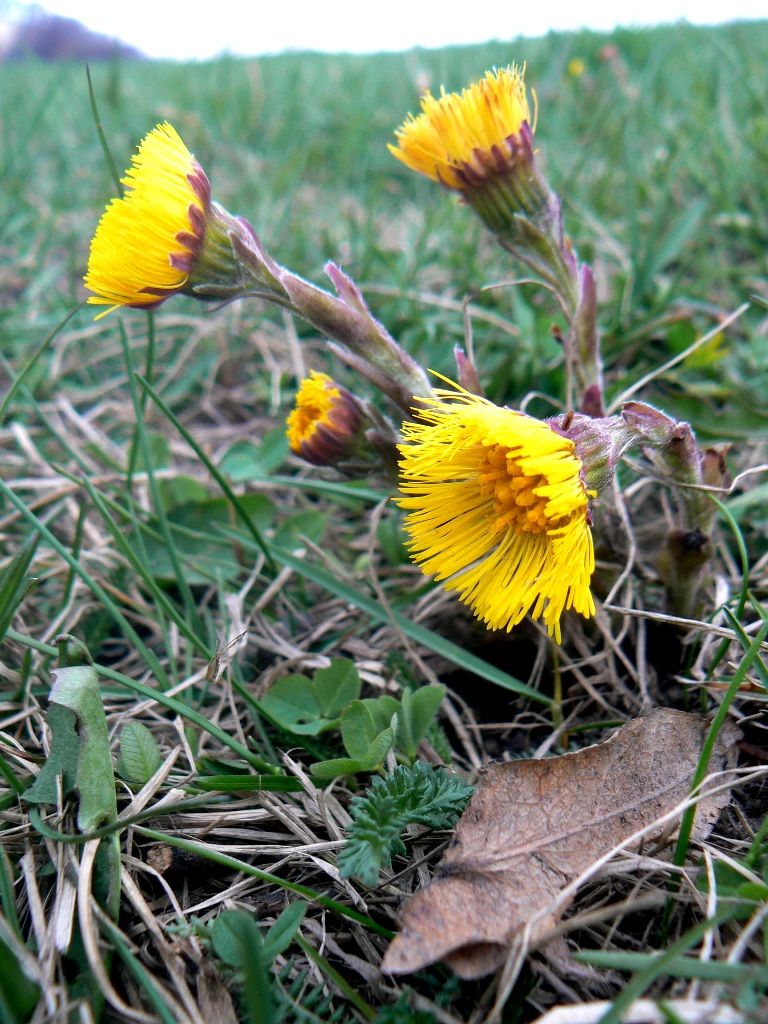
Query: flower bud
325, 426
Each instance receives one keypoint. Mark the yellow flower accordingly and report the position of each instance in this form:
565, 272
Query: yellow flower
498, 508
462, 136
324, 425
147, 242
576, 67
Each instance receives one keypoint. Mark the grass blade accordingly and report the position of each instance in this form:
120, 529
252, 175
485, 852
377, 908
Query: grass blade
217, 476
420, 634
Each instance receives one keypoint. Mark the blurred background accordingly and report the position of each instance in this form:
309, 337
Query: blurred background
655, 135
92, 28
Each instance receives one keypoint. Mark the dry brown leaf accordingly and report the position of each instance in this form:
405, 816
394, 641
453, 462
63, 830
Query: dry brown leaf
215, 1001
532, 827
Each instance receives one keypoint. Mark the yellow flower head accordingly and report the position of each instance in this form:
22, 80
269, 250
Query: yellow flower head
498, 508
324, 424
471, 135
147, 242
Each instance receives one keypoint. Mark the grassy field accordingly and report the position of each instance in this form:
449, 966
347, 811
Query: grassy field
171, 533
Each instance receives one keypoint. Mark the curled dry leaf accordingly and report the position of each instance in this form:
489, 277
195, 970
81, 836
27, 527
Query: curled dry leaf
534, 826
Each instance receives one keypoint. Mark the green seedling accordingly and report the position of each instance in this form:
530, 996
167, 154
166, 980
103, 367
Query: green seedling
411, 795
309, 707
368, 724
238, 941
366, 744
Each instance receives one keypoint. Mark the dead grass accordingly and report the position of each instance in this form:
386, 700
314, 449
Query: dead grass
630, 658
187, 655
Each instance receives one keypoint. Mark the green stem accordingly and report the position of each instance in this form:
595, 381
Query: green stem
32, 361
102, 137
217, 476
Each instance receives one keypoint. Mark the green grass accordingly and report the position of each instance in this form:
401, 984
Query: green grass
177, 540
660, 155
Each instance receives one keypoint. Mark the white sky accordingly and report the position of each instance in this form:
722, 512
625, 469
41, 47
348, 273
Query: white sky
186, 30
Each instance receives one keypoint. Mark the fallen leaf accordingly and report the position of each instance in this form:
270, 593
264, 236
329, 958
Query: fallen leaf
534, 826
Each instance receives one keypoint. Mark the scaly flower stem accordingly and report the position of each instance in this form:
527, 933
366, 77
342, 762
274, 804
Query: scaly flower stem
685, 559
535, 237
344, 317
574, 287
363, 335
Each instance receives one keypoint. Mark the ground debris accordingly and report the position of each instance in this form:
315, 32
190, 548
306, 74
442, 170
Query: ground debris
534, 826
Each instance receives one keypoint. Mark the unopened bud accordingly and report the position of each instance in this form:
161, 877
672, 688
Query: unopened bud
325, 426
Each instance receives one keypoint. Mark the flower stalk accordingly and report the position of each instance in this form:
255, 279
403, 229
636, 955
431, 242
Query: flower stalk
480, 144
344, 317
690, 472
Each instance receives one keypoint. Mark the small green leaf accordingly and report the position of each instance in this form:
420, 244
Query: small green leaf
378, 750
412, 717
754, 891
293, 530
236, 939
309, 707
273, 450
418, 708
222, 766
291, 702
336, 686
391, 541
228, 930
358, 729
324, 771
371, 760
181, 490
382, 709
139, 756
248, 461
62, 760
281, 934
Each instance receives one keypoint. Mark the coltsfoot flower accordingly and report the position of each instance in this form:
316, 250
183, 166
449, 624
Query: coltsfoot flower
324, 426
165, 235
459, 137
498, 510
479, 142
147, 241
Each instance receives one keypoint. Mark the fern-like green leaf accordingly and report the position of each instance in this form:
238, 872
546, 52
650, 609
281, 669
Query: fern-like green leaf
418, 794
